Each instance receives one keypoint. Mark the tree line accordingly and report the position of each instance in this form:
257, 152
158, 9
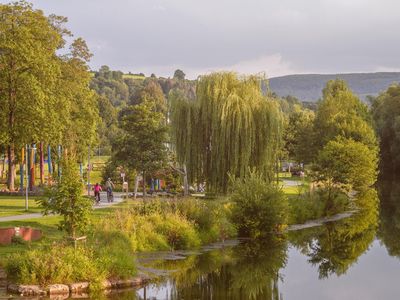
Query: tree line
217, 126
45, 97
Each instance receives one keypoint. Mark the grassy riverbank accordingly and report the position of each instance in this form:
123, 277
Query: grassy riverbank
117, 233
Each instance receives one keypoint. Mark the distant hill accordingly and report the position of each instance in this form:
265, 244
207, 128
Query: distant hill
308, 87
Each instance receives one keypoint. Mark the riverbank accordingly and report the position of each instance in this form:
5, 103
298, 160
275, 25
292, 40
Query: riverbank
116, 235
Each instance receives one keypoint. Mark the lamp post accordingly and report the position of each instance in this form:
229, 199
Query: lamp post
27, 148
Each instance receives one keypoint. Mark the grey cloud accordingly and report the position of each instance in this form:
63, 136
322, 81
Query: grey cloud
308, 36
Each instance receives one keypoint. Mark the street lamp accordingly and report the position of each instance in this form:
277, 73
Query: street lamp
27, 148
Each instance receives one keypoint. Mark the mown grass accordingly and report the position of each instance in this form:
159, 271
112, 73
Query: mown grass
15, 205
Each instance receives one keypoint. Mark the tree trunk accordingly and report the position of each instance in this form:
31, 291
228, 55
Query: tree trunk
11, 167
41, 163
144, 184
136, 186
4, 164
185, 182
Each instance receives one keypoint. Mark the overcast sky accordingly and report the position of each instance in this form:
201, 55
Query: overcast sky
248, 36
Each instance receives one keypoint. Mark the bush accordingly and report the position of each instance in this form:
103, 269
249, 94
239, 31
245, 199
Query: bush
260, 208
315, 205
55, 264
211, 217
65, 199
173, 224
106, 255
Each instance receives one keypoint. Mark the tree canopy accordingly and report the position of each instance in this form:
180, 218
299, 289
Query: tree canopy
386, 113
44, 96
228, 129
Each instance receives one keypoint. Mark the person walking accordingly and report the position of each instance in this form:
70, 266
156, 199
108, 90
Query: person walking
97, 190
109, 188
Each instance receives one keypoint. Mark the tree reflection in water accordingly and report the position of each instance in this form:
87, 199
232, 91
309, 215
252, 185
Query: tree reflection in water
252, 269
389, 226
335, 247
247, 271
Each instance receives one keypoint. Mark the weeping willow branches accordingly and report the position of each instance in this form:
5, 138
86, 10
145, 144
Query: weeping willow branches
230, 128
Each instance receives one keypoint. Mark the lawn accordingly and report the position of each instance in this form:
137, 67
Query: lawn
15, 205
48, 225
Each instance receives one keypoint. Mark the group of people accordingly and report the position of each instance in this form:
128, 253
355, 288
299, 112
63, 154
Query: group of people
109, 189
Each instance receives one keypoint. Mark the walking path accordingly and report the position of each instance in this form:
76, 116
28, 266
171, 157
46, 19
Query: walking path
103, 204
289, 182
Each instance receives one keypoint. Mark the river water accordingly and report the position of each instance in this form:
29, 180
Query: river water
354, 258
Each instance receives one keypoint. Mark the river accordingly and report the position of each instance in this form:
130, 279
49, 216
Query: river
353, 258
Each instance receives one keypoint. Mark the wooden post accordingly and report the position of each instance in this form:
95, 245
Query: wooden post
144, 184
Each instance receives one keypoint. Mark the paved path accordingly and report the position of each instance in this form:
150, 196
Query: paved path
103, 204
288, 182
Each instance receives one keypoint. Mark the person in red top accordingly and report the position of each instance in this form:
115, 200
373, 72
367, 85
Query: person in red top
97, 190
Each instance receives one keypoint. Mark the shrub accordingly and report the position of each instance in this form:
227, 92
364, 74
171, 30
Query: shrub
315, 205
55, 264
260, 208
66, 199
173, 224
179, 232
116, 254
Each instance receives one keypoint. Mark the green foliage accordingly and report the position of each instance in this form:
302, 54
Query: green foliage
386, 113
164, 225
299, 134
36, 82
334, 247
115, 253
65, 199
178, 74
348, 163
260, 208
212, 218
230, 127
141, 146
316, 204
56, 264
342, 114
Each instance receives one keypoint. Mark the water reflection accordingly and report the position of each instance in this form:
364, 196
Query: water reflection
337, 245
253, 270
389, 227
247, 271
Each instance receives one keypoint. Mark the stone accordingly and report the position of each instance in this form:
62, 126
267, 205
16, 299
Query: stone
58, 289
26, 290
79, 287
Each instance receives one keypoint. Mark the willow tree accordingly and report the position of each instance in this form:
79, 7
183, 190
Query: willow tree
228, 129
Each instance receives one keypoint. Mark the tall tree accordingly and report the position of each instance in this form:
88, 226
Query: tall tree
142, 146
178, 74
29, 69
386, 113
341, 113
229, 128
298, 135
81, 111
